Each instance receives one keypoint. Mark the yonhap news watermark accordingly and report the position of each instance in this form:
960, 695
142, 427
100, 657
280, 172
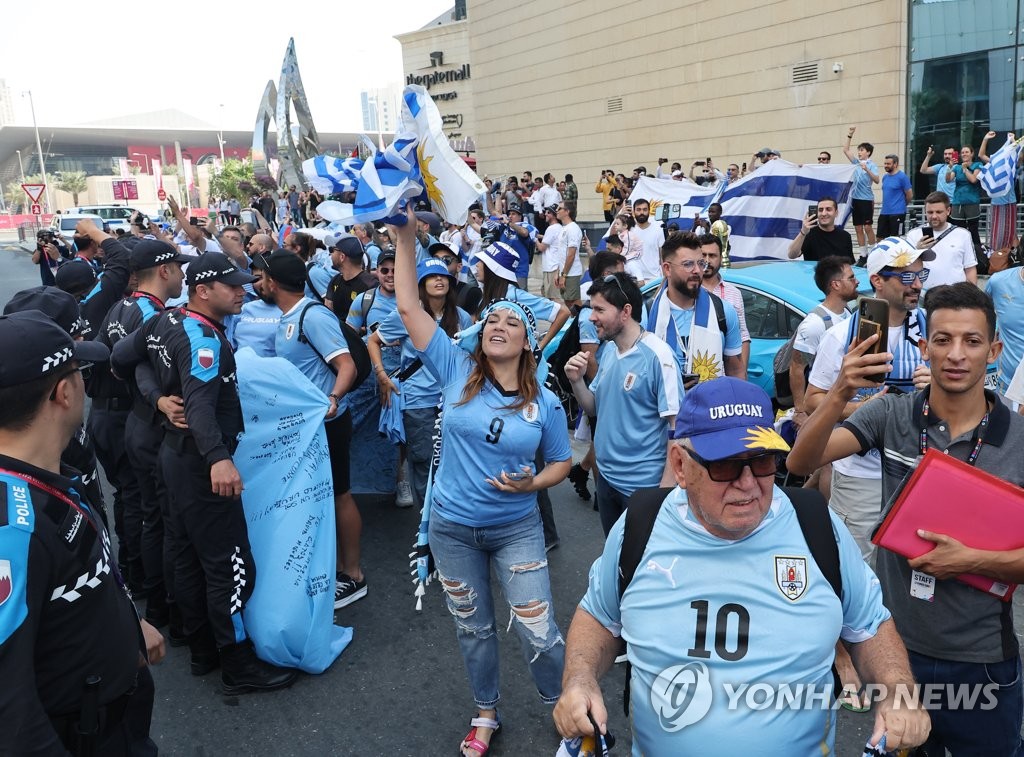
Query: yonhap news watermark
683, 694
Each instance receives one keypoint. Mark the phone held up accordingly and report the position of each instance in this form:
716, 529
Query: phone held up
874, 319
927, 232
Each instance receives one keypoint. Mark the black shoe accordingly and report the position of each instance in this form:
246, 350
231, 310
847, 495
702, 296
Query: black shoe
579, 477
158, 612
205, 657
243, 671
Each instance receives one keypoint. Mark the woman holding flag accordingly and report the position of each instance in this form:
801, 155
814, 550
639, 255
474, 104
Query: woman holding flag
483, 504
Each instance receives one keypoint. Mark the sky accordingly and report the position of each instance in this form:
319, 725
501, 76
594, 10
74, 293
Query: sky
120, 58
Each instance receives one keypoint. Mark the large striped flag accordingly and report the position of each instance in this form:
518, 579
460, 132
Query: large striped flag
998, 175
419, 162
764, 209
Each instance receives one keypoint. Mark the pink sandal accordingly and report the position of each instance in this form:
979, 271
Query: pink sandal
472, 742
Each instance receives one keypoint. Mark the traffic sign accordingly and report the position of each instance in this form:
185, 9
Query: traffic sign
34, 191
161, 195
37, 209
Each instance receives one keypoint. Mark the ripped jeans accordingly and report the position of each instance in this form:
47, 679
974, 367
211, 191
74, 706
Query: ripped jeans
464, 555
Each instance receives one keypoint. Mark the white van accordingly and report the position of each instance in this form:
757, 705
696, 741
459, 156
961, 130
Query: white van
63, 224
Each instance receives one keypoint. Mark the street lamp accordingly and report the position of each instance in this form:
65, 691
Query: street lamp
39, 147
220, 134
21, 166
149, 169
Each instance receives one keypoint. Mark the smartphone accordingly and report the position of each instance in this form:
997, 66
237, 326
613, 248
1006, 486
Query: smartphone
699, 163
709, 161
874, 319
663, 212
744, 166
690, 377
927, 232
193, 220
812, 210
520, 476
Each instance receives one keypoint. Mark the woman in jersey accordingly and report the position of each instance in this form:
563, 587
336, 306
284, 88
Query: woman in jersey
497, 273
421, 392
497, 415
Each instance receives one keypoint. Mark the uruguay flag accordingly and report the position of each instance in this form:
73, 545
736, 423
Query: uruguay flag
997, 177
765, 209
419, 162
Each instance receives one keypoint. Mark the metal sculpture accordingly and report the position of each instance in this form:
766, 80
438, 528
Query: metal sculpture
295, 142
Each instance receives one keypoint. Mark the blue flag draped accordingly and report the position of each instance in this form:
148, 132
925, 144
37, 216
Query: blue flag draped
289, 511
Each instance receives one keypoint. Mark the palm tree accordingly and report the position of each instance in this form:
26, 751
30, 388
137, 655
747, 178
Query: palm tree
15, 196
73, 182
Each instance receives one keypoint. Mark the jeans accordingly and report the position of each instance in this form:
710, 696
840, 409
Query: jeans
973, 732
463, 555
611, 503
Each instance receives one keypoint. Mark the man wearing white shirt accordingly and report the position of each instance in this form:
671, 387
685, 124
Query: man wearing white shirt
571, 269
650, 232
955, 259
552, 245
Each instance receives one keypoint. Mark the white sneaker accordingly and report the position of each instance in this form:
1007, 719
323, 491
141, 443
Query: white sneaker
403, 497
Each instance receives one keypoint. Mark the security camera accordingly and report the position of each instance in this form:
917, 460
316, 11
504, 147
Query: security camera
837, 68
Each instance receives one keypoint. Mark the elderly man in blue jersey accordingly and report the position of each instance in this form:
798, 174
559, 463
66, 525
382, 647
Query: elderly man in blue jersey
635, 395
768, 619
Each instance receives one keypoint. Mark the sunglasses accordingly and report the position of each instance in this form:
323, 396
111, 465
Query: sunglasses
823, 160
613, 279
906, 277
386, 271
729, 469
446, 259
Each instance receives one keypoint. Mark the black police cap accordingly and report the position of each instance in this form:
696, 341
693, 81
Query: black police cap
55, 303
42, 348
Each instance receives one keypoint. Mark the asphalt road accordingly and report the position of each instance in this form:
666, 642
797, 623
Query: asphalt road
400, 687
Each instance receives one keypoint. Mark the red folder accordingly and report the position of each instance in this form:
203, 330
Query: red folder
947, 496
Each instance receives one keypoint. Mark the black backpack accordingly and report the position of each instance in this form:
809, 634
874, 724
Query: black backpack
356, 347
811, 513
782, 359
557, 381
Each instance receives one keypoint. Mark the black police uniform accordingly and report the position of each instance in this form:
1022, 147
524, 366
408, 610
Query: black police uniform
70, 640
109, 287
213, 567
131, 427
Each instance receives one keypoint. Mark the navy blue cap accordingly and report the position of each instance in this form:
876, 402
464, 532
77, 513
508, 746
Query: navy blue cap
215, 266
55, 303
149, 253
42, 347
725, 417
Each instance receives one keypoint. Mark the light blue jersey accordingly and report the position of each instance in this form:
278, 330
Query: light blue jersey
542, 309
732, 343
256, 327
1007, 291
381, 305
421, 389
321, 329
738, 622
483, 437
588, 331
861, 181
320, 278
638, 393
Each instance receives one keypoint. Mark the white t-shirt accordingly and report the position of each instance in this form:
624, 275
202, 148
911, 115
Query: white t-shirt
953, 253
650, 261
572, 237
547, 195
812, 328
554, 255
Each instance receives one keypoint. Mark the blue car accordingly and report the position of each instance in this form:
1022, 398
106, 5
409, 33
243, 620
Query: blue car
776, 297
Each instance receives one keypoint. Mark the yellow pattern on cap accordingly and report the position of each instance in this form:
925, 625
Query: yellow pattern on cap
765, 438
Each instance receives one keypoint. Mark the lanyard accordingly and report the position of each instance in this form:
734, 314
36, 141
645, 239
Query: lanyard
201, 318
976, 441
155, 300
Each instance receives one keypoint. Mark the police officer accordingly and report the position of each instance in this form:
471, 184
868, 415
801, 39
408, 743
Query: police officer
60, 307
96, 294
213, 568
72, 649
126, 424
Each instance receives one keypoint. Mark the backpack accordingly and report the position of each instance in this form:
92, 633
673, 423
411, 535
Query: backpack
811, 513
780, 365
356, 347
557, 381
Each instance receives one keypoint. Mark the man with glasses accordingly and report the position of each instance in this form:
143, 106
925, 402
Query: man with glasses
824, 157
635, 394
702, 331
727, 572
897, 275
953, 256
819, 237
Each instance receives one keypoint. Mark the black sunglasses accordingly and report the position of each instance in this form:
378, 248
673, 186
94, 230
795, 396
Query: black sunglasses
446, 259
729, 469
385, 271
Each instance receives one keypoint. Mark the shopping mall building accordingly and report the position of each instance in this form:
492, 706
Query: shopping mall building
582, 86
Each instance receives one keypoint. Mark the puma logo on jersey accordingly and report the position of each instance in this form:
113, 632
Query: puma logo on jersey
667, 572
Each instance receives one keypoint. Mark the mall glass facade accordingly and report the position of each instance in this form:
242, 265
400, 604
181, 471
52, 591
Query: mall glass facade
966, 77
